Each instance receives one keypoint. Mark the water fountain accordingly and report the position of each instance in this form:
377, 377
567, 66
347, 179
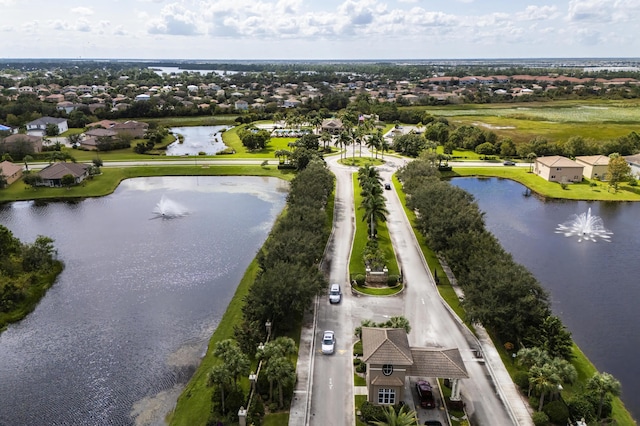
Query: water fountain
169, 209
585, 227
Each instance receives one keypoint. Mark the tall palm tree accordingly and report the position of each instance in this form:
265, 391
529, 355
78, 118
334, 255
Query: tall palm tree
281, 371
404, 417
604, 384
220, 376
325, 137
544, 379
26, 160
374, 210
345, 140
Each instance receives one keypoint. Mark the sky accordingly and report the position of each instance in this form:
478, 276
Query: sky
319, 29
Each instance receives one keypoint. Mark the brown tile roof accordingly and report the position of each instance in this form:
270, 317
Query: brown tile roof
594, 160
557, 161
57, 170
385, 346
433, 362
9, 169
387, 381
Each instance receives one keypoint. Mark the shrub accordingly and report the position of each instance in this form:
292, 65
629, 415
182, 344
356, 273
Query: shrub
540, 419
360, 279
557, 411
521, 378
581, 407
370, 412
563, 185
361, 368
392, 280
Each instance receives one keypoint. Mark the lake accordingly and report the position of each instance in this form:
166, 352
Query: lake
197, 139
124, 327
593, 285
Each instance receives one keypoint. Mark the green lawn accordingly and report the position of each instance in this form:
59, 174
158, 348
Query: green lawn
356, 264
557, 121
575, 191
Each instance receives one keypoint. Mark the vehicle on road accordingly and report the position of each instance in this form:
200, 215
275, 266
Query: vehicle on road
328, 342
432, 423
335, 293
425, 393
387, 186
509, 163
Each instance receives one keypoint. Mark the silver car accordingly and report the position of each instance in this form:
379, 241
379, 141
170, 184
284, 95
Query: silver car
328, 342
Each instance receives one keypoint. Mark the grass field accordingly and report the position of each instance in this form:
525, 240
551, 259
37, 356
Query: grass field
557, 121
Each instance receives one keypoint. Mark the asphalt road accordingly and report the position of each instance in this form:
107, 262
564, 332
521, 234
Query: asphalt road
331, 378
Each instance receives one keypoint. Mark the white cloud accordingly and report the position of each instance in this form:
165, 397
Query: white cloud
175, 19
84, 11
590, 10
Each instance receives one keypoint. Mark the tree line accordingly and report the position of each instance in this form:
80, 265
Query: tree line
284, 288
26, 271
504, 296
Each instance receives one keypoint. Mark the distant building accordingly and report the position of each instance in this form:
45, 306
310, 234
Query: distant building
332, 126
39, 127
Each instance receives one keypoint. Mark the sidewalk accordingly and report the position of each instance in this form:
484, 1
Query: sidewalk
304, 368
518, 408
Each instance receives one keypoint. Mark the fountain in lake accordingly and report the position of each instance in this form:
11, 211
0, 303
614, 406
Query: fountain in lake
585, 227
169, 209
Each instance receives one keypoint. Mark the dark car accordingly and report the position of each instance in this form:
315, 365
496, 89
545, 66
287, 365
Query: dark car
387, 186
432, 423
425, 393
509, 163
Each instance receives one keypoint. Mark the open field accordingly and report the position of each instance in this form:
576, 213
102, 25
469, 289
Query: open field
557, 121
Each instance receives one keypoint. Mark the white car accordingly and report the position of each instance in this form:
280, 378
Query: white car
328, 342
335, 294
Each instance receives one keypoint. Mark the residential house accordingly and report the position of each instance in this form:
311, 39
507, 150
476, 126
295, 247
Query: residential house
136, 129
39, 127
52, 174
634, 163
142, 97
556, 168
8, 129
34, 141
391, 361
291, 103
241, 105
595, 166
11, 172
91, 137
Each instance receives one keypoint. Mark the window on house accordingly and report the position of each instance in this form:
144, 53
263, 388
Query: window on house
553, 176
387, 369
386, 396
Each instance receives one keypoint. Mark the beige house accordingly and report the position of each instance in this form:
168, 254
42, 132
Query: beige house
52, 175
390, 361
595, 166
634, 163
556, 168
11, 172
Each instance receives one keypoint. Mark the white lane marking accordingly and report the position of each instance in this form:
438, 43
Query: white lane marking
330, 383
422, 300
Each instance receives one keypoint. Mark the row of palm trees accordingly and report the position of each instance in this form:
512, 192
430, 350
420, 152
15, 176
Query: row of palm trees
373, 202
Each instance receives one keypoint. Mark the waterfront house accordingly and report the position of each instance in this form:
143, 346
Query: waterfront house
52, 174
11, 172
595, 166
560, 169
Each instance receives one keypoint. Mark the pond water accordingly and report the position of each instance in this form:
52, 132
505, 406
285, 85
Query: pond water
127, 322
197, 139
593, 285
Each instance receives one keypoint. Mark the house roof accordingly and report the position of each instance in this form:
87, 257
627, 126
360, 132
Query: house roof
57, 170
47, 120
332, 122
633, 159
9, 169
385, 346
557, 161
435, 362
21, 136
99, 132
594, 160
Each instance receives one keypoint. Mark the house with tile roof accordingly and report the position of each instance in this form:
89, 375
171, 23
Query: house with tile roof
391, 362
53, 173
39, 127
11, 171
595, 166
556, 168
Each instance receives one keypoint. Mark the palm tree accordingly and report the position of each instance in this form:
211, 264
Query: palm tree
374, 142
234, 360
26, 160
544, 379
531, 156
281, 371
604, 384
398, 322
374, 210
325, 137
220, 376
345, 140
404, 417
